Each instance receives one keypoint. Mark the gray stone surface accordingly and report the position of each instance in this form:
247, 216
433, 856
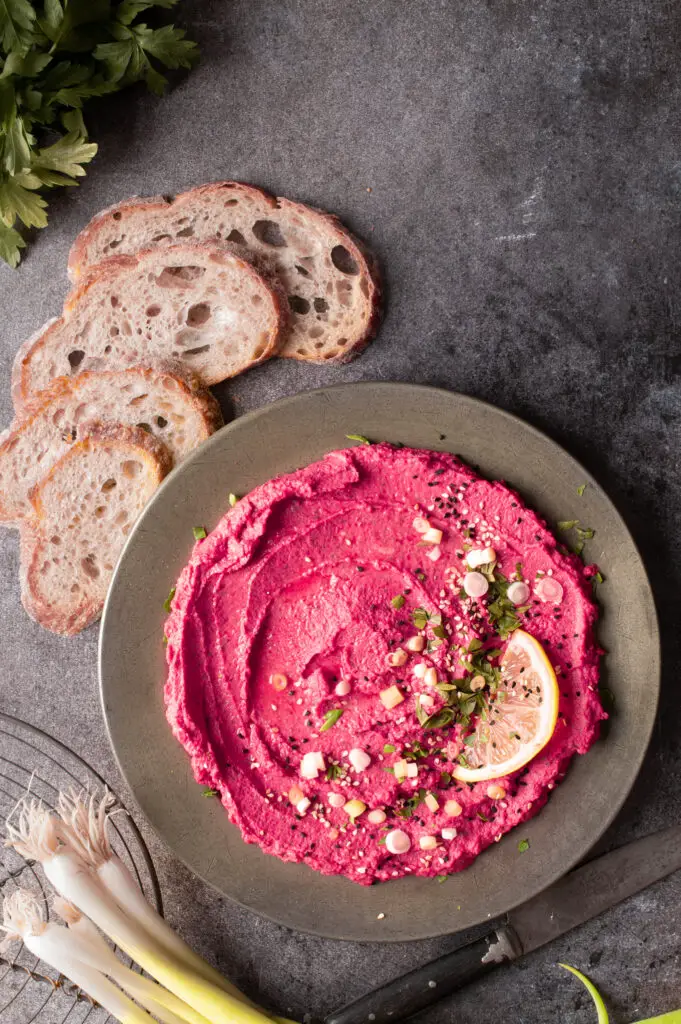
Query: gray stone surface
517, 166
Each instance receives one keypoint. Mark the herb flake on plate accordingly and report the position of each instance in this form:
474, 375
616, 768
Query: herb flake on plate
330, 718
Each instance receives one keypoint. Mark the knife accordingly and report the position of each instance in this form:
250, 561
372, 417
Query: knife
578, 897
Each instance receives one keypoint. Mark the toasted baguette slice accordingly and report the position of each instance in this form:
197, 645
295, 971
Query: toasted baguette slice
199, 304
82, 512
169, 404
332, 282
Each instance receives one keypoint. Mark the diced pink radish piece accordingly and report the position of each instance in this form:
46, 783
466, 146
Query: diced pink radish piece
549, 590
475, 584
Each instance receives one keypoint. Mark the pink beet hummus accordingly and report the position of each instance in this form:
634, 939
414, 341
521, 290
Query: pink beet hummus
282, 640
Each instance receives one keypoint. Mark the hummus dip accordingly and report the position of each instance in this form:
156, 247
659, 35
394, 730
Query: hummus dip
294, 638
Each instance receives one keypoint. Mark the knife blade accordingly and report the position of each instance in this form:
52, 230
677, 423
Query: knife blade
579, 896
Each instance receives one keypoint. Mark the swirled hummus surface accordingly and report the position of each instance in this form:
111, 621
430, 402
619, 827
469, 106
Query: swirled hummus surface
295, 680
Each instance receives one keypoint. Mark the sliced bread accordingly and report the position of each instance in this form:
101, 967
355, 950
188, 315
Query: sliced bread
168, 403
199, 304
331, 281
82, 512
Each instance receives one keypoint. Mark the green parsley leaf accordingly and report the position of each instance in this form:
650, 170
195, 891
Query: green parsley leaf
483, 817
358, 437
440, 632
523, 845
233, 500
389, 748
211, 792
11, 244
167, 604
585, 533
199, 532
54, 56
420, 618
398, 601
568, 524
442, 878
581, 489
598, 578
330, 718
16, 25
165, 640
333, 772
445, 780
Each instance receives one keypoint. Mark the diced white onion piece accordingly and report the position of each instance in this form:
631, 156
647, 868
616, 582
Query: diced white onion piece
420, 669
391, 697
295, 795
431, 803
435, 553
453, 808
448, 833
416, 644
359, 759
481, 556
376, 817
412, 770
397, 658
549, 590
343, 688
353, 808
312, 764
303, 805
518, 593
425, 700
475, 584
428, 842
397, 841
421, 525
336, 800
432, 536
400, 769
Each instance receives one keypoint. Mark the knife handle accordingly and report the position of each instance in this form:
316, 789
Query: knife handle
426, 985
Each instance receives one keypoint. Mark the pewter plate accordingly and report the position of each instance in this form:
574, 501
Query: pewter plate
283, 437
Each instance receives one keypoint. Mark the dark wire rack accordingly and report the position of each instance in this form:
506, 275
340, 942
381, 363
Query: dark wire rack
30, 991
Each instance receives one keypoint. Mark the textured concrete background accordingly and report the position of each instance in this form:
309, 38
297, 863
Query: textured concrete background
517, 166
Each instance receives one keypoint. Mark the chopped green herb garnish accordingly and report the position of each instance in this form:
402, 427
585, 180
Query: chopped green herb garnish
169, 600
233, 500
585, 534
502, 612
211, 792
398, 601
439, 720
330, 718
568, 524
334, 771
524, 844
165, 640
445, 780
483, 817
598, 578
470, 740
420, 575
440, 632
389, 748
519, 570
581, 489
420, 617
410, 805
358, 437
442, 878
200, 533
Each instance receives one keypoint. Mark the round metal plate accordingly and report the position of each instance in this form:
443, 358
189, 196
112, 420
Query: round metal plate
283, 437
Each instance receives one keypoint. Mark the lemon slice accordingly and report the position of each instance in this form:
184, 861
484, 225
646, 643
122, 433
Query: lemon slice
521, 717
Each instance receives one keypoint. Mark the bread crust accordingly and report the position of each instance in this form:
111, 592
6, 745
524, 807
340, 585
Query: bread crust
368, 268
106, 272
67, 621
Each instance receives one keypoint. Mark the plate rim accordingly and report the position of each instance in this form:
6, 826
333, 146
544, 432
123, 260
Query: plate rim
388, 385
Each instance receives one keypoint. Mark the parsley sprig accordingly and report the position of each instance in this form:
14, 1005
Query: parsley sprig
55, 55
503, 613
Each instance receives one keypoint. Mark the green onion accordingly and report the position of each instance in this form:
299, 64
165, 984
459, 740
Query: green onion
199, 533
330, 718
581, 489
358, 437
167, 604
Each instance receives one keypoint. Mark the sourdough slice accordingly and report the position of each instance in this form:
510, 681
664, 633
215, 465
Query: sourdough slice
82, 512
331, 281
168, 403
201, 305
